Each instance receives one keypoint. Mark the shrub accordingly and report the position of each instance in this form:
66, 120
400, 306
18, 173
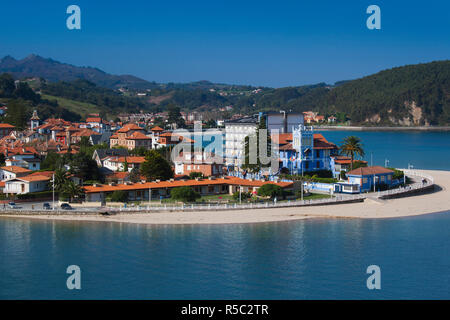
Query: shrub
398, 174
184, 194
323, 180
119, 196
36, 195
323, 173
244, 195
359, 164
270, 190
194, 175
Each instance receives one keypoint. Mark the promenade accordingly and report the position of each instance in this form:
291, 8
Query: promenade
372, 207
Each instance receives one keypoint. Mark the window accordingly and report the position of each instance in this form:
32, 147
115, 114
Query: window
318, 164
364, 180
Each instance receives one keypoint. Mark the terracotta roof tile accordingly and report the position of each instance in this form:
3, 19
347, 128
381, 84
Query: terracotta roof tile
367, 171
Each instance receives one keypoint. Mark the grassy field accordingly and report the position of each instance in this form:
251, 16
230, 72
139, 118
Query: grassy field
82, 108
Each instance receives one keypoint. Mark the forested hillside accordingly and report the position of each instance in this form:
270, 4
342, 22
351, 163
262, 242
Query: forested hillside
409, 95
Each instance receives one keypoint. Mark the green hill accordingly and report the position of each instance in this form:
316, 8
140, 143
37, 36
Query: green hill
410, 95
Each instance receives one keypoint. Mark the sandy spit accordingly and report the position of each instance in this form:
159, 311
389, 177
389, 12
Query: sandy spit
438, 201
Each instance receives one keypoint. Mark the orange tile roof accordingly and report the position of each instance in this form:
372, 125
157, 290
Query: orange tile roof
346, 160
15, 169
94, 119
157, 128
180, 183
118, 175
138, 136
128, 127
321, 143
175, 138
131, 159
85, 133
367, 171
32, 178
42, 173
283, 138
6, 125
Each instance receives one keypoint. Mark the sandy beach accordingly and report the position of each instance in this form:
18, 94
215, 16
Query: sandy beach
437, 201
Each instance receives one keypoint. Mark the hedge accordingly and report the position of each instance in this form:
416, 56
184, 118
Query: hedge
36, 195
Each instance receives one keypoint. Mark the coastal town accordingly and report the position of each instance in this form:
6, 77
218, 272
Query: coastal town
59, 164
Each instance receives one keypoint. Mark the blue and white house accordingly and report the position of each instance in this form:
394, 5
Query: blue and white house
304, 150
368, 178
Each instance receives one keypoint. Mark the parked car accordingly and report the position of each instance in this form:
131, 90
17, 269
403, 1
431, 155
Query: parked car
46, 206
66, 206
12, 205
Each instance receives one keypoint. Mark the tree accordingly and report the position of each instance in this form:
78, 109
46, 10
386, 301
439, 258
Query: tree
241, 195
84, 167
61, 179
125, 165
2, 159
174, 116
184, 194
18, 113
52, 161
270, 190
256, 167
73, 190
24, 91
119, 196
139, 151
194, 175
134, 175
7, 86
352, 147
156, 167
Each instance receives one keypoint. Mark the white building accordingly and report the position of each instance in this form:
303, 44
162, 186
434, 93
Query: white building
32, 183
116, 163
12, 172
236, 131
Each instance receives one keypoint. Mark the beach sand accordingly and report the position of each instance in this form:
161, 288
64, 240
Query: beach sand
437, 201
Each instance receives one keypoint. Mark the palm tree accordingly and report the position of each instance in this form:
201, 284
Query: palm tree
352, 146
60, 179
72, 190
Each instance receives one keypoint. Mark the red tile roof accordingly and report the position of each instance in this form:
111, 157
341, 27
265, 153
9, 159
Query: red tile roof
345, 160
6, 126
157, 129
131, 159
94, 119
15, 169
180, 183
321, 143
31, 178
138, 136
129, 127
85, 133
368, 171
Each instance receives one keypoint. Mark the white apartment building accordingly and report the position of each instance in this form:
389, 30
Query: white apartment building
236, 131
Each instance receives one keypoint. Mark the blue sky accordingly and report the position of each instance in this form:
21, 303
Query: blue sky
269, 43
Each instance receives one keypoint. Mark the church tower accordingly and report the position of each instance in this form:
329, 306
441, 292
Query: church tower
35, 121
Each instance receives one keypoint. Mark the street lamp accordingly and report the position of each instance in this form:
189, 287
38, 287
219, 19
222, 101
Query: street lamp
386, 162
53, 183
240, 194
